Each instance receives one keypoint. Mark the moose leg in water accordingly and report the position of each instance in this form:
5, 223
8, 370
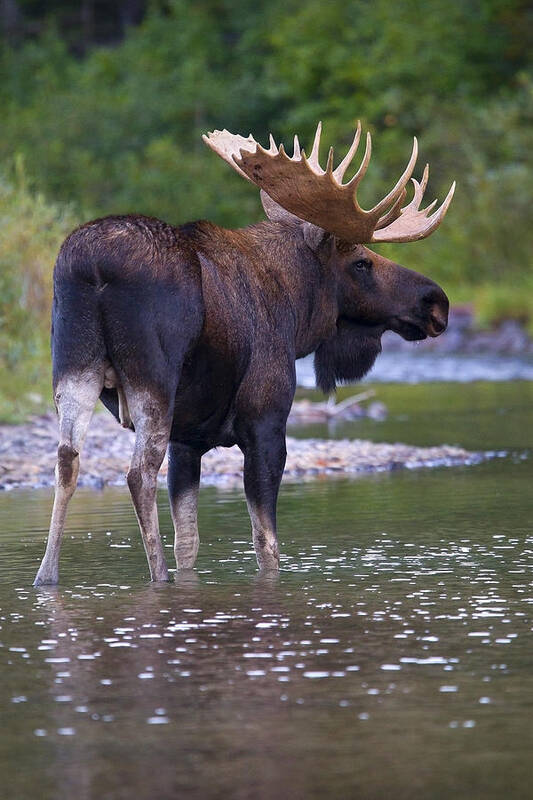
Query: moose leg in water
152, 419
264, 461
183, 481
75, 397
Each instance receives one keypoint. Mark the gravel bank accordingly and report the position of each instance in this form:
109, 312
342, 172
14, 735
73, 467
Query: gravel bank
27, 456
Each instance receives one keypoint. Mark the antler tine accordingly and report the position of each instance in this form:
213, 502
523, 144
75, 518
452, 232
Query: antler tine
297, 152
412, 224
273, 146
313, 158
397, 209
429, 208
424, 182
393, 213
359, 175
338, 173
437, 217
223, 144
401, 184
420, 188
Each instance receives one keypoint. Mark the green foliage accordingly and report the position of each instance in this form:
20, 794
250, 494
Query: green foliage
487, 237
31, 230
495, 303
119, 130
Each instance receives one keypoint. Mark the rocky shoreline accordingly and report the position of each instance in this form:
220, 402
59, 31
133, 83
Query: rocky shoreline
27, 457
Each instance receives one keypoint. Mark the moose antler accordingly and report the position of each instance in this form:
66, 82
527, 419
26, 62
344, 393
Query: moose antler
301, 186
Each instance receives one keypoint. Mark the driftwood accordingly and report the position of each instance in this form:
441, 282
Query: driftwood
305, 411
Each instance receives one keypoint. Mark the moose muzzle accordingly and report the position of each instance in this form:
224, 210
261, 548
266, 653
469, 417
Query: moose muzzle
428, 317
437, 305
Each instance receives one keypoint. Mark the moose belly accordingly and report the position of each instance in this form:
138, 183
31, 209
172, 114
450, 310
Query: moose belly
204, 422
197, 422
204, 409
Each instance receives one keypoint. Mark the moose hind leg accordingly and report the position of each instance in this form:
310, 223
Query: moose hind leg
152, 428
75, 398
183, 481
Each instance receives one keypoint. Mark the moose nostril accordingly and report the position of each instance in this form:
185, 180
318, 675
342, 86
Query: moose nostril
436, 305
439, 321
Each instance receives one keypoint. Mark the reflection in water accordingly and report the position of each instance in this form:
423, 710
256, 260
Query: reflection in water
390, 658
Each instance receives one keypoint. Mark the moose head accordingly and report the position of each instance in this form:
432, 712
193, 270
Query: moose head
373, 293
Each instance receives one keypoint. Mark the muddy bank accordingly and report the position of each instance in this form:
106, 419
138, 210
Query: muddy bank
27, 456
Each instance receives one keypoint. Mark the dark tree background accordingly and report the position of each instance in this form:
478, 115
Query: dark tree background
81, 25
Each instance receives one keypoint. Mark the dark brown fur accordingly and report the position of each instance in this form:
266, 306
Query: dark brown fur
202, 327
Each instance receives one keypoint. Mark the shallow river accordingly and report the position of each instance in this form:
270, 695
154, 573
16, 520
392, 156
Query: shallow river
393, 658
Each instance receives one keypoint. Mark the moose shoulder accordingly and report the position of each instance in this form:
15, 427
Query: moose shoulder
189, 335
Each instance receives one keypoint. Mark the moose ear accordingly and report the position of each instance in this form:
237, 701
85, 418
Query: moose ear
277, 213
313, 235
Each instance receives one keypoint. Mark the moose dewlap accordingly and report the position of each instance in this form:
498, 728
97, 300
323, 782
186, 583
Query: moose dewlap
189, 335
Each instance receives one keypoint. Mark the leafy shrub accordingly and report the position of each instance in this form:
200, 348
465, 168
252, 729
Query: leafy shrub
31, 230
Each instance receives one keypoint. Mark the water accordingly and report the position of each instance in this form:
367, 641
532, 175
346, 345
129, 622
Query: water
400, 366
392, 658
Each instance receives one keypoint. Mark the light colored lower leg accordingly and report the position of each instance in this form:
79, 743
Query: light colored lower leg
150, 446
264, 538
184, 510
75, 399
143, 492
49, 570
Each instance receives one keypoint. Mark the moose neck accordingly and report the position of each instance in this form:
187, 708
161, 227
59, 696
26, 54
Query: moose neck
345, 350
309, 286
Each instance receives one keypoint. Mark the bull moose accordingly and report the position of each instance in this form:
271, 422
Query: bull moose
189, 334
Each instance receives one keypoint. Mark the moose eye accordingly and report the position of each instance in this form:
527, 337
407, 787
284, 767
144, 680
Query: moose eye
362, 264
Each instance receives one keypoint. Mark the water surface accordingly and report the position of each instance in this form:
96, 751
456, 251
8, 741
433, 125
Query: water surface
392, 658
420, 366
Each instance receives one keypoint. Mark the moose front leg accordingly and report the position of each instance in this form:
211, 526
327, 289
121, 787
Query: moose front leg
264, 462
183, 480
